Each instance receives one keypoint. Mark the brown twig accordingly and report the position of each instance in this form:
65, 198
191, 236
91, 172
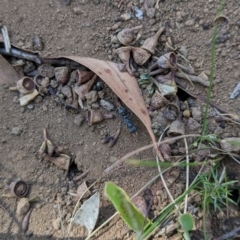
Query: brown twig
84, 174
110, 168
193, 78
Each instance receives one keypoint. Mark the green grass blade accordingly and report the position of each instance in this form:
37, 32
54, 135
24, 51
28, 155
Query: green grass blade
127, 210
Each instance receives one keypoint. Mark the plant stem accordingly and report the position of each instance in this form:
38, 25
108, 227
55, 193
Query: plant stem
212, 69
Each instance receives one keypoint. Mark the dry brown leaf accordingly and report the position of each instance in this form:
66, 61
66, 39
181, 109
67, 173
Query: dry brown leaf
123, 85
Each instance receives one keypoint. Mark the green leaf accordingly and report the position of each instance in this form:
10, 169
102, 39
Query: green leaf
127, 210
186, 236
186, 222
144, 76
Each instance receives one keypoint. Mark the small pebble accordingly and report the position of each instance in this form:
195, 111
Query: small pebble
79, 120
30, 106
151, 12
57, 224
77, 10
189, 23
16, 130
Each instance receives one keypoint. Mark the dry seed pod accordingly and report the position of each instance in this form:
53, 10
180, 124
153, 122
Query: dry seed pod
126, 36
140, 55
166, 61
91, 97
73, 107
85, 88
177, 127
62, 75
95, 116
24, 85
83, 76
158, 101
28, 98
151, 43
67, 91
19, 188
174, 105
124, 53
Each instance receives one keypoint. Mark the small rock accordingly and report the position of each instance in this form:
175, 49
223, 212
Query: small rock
196, 113
79, 119
15, 99
54, 83
23, 206
116, 26
37, 43
183, 50
230, 144
151, 12
17, 130
63, 190
77, 10
126, 16
30, 106
38, 99
57, 224
189, 23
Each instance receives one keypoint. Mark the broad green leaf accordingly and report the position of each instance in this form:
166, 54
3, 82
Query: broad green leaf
186, 222
127, 210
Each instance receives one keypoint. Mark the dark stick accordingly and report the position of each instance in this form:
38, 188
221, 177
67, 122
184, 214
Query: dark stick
14, 52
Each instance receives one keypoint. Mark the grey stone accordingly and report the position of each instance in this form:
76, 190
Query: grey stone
77, 10
189, 22
57, 224
79, 119
16, 130
30, 106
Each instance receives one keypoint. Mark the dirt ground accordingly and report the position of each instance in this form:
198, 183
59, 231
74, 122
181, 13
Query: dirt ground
84, 28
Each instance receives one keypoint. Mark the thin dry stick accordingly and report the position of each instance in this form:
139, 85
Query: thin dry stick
187, 78
192, 78
160, 172
187, 175
110, 168
84, 174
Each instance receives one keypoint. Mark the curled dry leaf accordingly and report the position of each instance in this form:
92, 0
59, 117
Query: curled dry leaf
124, 86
